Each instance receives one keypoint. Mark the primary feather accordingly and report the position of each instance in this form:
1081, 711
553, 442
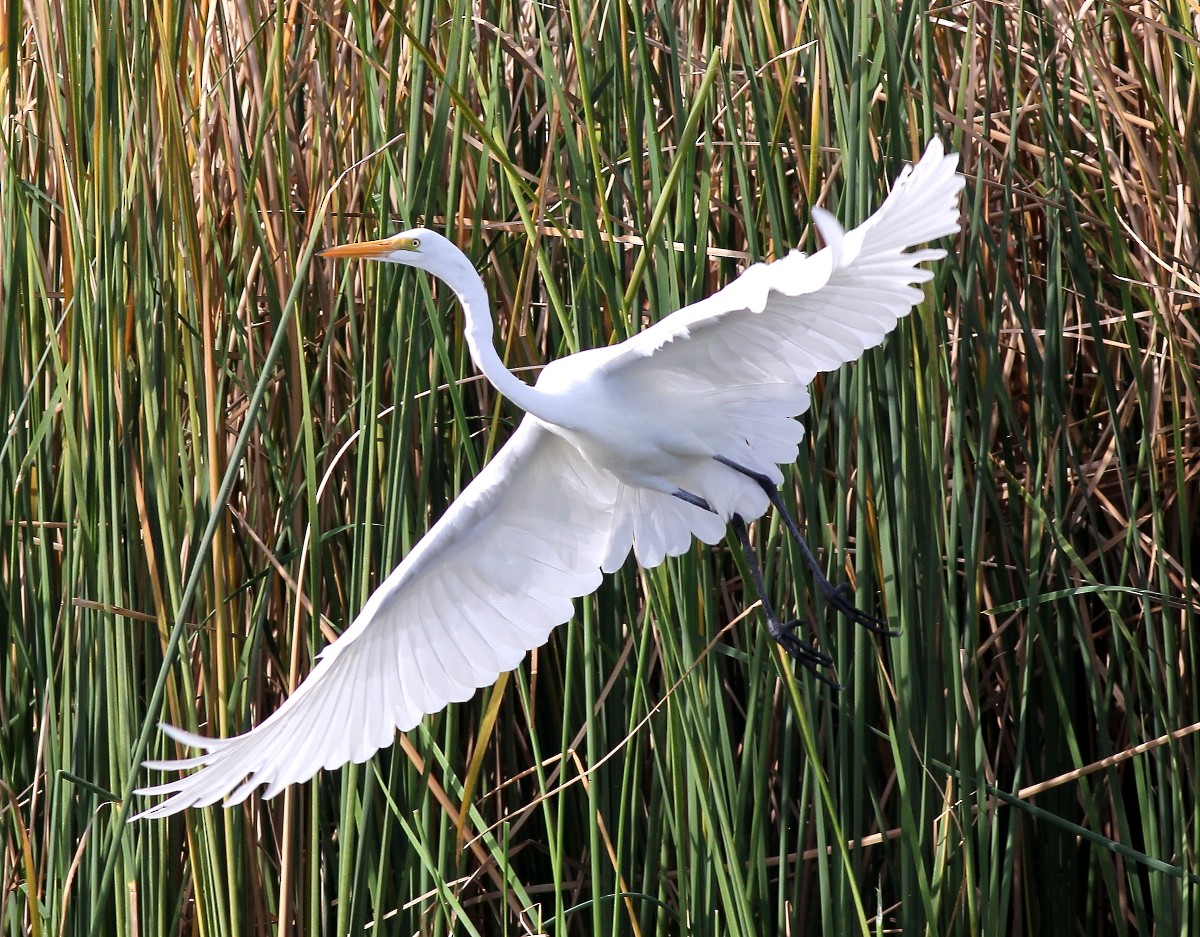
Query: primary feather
612, 436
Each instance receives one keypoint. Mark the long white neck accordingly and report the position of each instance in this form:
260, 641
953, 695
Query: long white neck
465, 282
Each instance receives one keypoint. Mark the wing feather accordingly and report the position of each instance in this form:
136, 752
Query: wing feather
778, 324
490, 581
870, 271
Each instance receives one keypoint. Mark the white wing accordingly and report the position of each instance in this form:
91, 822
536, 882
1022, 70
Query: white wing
489, 582
748, 352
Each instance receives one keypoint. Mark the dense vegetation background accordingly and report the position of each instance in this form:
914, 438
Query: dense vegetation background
205, 426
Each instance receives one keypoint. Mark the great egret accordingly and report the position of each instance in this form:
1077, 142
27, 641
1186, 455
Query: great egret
671, 434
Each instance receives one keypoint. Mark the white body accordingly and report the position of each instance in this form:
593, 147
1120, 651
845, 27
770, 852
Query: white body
611, 436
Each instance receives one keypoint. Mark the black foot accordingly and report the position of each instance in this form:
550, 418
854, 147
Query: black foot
785, 634
839, 598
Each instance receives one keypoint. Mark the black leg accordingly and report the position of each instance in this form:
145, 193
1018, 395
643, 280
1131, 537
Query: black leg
837, 596
781, 631
694, 499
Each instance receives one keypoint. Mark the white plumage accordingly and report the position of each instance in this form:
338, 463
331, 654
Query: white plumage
644, 445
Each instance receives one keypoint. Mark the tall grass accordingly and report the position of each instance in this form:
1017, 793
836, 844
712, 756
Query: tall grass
205, 426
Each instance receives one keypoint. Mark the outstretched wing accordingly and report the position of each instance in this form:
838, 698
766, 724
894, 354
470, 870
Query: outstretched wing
489, 582
748, 352
791, 319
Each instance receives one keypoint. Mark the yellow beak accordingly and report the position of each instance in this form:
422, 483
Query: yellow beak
370, 250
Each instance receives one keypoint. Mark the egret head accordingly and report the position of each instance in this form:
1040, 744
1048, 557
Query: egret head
417, 247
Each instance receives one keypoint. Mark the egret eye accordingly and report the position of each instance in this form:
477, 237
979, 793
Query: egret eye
416, 243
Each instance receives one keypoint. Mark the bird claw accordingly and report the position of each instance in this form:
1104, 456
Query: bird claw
784, 634
840, 598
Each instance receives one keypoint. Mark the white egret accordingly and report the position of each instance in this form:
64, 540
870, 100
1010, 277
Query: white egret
672, 434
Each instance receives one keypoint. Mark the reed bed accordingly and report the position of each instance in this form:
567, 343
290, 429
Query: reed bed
206, 427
